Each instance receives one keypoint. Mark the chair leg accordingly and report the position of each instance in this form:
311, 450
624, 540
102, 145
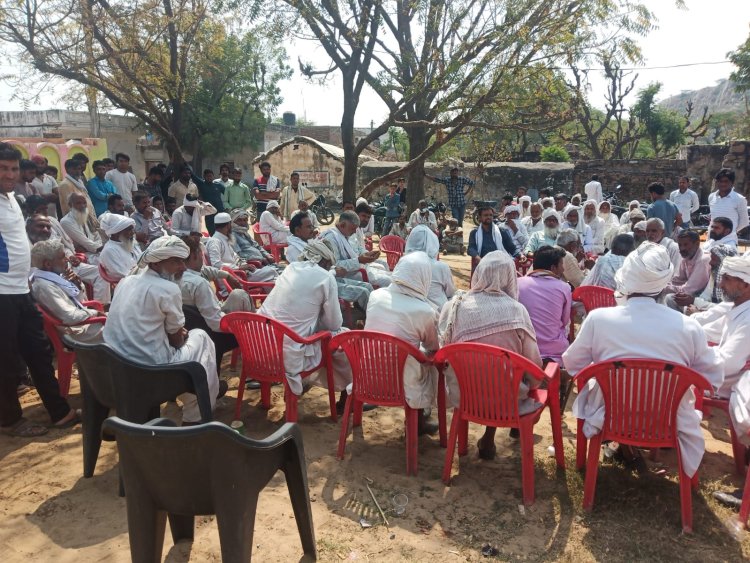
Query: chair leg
581, 443
527, 462
235, 357
64, 371
686, 501
291, 401
592, 469
330, 382
463, 437
556, 421
265, 395
745, 507
442, 422
236, 526
451, 447
240, 394
345, 426
412, 439
94, 414
296, 481
182, 527
738, 450
146, 527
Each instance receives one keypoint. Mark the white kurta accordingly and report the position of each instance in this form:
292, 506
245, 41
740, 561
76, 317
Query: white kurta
117, 261
739, 408
673, 250
734, 345
712, 320
144, 310
55, 301
271, 224
197, 292
83, 238
221, 253
598, 230
644, 329
414, 321
532, 228
305, 299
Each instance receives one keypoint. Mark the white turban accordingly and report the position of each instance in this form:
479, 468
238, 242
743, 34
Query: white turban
422, 239
737, 267
524, 198
413, 275
361, 200
646, 270
549, 212
272, 204
112, 223
162, 249
511, 209
640, 226
191, 203
317, 250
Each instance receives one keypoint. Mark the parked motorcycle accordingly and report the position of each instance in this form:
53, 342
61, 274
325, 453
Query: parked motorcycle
618, 206
322, 211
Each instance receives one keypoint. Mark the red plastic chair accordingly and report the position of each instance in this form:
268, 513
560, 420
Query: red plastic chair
704, 404
108, 278
261, 341
745, 506
265, 239
522, 267
592, 297
392, 243
66, 358
641, 398
377, 362
489, 378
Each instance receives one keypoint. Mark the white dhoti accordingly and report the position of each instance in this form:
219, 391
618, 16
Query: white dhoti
354, 291
197, 348
237, 300
90, 274
311, 357
739, 408
420, 384
264, 274
589, 406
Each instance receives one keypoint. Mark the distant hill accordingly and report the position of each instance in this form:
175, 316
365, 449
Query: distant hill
722, 98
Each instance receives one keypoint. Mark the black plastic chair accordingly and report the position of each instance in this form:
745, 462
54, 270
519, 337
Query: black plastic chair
136, 391
223, 341
203, 470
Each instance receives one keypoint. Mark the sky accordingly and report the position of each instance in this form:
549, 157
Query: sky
704, 32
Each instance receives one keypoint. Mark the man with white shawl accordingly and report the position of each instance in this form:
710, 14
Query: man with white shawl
305, 298
642, 328
146, 321
595, 224
548, 235
489, 313
77, 226
738, 289
574, 220
120, 254
403, 310
186, 219
422, 239
292, 195
271, 223
488, 237
524, 202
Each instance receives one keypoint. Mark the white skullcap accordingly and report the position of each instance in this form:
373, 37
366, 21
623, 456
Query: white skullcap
112, 223
511, 209
640, 226
164, 248
222, 219
317, 250
549, 212
637, 214
361, 200
191, 203
737, 267
646, 270
273, 204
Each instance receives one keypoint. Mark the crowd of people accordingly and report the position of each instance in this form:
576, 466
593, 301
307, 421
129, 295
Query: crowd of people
141, 251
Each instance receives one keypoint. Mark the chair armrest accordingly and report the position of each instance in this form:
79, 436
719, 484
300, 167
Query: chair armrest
552, 371
323, 336
93, 305
91, 321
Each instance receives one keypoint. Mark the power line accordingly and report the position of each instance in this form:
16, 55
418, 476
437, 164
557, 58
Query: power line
683, 65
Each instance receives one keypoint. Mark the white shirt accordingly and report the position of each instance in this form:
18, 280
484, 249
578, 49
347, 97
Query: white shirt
59, 233
54, 300
733, 348
45, 185
182, 222
687, 203
220, 251
117, 261
584, 232
81, 235
441, 286
416, 218
269, 223
733, 207
673, 249
295, 248
729, 240
197, 292
597, 235
593, 190
125, 184
531, 228
15, 250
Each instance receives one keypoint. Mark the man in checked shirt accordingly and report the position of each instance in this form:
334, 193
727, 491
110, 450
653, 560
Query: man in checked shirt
456, 193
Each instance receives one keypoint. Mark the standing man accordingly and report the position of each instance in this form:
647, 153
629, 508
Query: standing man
100, 188
726, 202
685, 199
46, 185
72, 183
123, 179
223, 181
236, 195
292, 195
456, 194
265, 188
401, 191
392, 204
663, 209
22, 340
212, 193
152, 184
593, 189
183, 186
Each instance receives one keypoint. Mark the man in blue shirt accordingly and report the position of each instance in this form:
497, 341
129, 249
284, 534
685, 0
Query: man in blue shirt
492, 237
662, 208
100, 189
210, 192
456, 193
392, 203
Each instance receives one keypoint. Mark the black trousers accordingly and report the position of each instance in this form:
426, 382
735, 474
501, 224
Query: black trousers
23, 343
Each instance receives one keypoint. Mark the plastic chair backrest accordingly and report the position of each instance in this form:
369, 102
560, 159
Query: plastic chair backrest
377, 361
260, 236
106, 277
489, 378
392, 258
392, 243
261, 341
594, 297
641, 398
50, 329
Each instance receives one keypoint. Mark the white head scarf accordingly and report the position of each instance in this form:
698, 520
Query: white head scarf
112, 223
511, 209
640, 226
646, 270
191, 203
422, 239
272, 204
238, 213
635, 203
317, 250
413, 275
162, 249
737, 267
550, 212
583, 209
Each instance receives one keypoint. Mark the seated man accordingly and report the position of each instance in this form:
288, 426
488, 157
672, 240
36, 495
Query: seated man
627, 228
515, 226
488, 237
359, 239
569, 241
534, 222
655, 233
611, 222
149, 224
304, 207
347, 258
146, 320
245, 245
76, 226
116, 205
186, 219
271, 222
596, 225
721, 232
574, 221
221, 252
713, 294
547, 236
423, 216
367, 228
639, 235
692, 276
400, 228
605, 268
402, 310
196, 292
644, 329
60, 296
120, 254
305, 299
547, 299
633, 205
453, 238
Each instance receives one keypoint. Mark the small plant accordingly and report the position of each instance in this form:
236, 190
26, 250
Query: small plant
554, 153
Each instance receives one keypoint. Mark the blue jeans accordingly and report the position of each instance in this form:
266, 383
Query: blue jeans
387, 224
458, 212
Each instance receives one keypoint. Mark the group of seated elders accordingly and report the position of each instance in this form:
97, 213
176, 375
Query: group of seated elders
422, 239
693, 273
245, 244
40, 226
655, 233
547, 234
59, 292
186, 219
605, 268
351, 260
488, 237
489, 313
642, 328
305, 298
120, 253
574, 220
272, 222
403, 310
79, 227
220, 249
349, 289
152, 301
359, 240
149, 222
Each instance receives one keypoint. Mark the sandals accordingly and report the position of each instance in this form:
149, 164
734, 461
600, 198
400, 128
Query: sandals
70, 423
24, 429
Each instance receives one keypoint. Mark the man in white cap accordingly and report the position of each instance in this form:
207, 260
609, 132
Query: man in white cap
516, 227
146, 321
305, 299
574, 220
120, 253
642, 328
186, 219
220, 249
548, 235
271, 223
534, 221
244, 243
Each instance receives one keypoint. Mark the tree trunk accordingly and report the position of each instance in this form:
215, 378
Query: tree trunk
347, 139
419, 139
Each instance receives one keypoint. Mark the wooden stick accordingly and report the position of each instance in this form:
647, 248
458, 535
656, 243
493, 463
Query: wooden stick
382, 514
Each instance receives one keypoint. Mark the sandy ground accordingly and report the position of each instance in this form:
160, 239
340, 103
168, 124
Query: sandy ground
50, 513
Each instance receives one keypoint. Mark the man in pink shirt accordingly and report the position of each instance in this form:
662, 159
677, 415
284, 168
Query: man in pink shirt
547, 299
693, 275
